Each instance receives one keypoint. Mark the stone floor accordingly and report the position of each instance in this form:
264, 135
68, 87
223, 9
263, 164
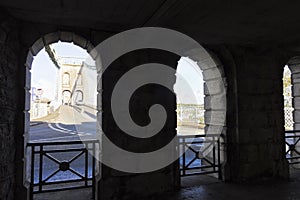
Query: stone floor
209, 188
78, 194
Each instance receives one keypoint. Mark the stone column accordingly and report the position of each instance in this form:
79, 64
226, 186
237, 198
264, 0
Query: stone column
259, 143
120, 185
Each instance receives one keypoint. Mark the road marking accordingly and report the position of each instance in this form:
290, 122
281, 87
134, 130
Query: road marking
75, 132
56, 129
64, 130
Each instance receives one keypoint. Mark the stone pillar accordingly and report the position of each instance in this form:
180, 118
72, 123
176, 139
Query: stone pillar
12, 117
120, 185
259, 143
215, 110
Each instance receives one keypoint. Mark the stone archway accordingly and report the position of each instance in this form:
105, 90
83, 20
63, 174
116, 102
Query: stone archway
291, 136
78, 97
66, 97
215, 107
33, 51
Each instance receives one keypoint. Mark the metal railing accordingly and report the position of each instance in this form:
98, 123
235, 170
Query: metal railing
193, 164
57, 166
292, 139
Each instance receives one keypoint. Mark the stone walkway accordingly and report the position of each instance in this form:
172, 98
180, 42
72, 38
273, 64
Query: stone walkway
209, 188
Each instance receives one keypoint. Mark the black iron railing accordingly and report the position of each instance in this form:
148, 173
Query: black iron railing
57, 166
191, 161
292, 139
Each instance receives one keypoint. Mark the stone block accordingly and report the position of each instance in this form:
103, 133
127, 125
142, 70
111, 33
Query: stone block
296, 90
99, 82
206, 63
89, 48
27, 79
37, 46
29, 60
296, 103
215, 102
295, 78
197, 55
99, 101
297, 126
296, 116
65, 36
214, 87
51, 38
27, 100
80, 41
212, 73
215, 118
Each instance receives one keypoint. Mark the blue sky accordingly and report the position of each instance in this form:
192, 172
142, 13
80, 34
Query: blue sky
188, 86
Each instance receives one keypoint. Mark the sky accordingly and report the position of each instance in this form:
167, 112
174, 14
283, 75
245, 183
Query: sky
189, 82
188, 86
44, 72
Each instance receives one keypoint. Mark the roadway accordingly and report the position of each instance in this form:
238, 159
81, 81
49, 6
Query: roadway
73, 123
68, 123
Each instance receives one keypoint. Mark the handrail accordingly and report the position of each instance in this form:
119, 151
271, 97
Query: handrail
61, 142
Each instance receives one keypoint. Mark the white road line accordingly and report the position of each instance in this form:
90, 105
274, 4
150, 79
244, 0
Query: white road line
63, 130
56, 129
75, 132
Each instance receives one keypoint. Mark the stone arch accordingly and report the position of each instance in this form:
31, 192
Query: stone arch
37, 46
66, 97
66, 78
78, 97
215, 100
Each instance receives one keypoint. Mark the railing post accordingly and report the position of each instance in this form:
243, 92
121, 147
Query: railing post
41, 168
219, 160
93, 172
214, 154
86, 167
183, 157
32, 172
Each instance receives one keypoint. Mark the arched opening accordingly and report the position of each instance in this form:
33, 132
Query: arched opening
287, 95
195, 102
56, 158
66, 97
78, 97
66, 79
291, 88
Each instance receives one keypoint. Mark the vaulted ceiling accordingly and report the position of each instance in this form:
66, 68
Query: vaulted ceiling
211, 21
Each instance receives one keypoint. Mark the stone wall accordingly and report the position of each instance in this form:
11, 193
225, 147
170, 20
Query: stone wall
259, 146
9, 57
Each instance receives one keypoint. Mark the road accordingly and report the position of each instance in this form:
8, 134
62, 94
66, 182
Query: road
66, 124
73, 123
